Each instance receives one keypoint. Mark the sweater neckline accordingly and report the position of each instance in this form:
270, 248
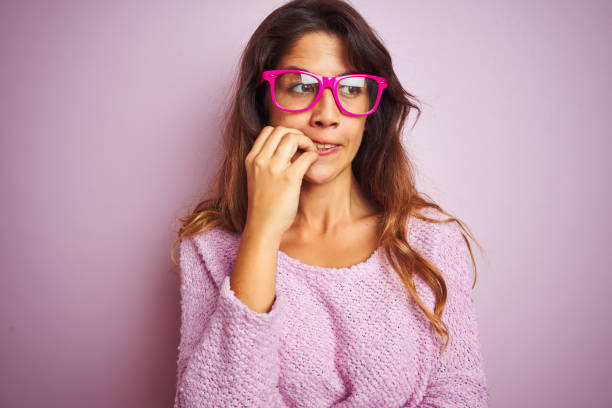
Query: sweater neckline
361, 266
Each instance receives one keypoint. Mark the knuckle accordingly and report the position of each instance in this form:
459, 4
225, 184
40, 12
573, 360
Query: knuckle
259, 163
292, 138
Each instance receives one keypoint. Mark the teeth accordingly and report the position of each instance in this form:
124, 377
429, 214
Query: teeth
324, 146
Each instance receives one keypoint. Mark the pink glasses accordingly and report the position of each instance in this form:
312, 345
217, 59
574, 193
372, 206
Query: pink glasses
296, 91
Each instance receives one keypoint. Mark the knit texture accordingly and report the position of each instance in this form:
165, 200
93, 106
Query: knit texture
334, 337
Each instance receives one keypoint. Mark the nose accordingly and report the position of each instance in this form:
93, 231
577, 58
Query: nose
325, 113
327, 101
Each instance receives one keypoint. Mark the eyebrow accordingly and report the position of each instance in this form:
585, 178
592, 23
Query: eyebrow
304, 69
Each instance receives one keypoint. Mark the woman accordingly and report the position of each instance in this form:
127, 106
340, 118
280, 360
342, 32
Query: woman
317, 275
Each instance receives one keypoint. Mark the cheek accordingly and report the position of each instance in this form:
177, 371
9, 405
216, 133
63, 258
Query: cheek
356, 140
288, 119
355, 144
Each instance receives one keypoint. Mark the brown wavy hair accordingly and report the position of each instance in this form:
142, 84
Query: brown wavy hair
381, 166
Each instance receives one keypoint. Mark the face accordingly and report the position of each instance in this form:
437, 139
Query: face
325, 55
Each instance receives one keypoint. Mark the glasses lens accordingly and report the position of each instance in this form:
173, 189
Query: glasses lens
357, 94
294, 90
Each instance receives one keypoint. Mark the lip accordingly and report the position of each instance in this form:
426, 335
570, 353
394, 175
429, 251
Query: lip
322, 142
329, 151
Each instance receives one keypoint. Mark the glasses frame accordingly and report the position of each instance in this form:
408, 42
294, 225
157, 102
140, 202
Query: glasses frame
324, 82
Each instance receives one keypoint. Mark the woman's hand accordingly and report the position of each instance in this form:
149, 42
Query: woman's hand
275, 169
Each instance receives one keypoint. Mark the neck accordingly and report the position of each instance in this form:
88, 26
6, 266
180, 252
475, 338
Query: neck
326, 208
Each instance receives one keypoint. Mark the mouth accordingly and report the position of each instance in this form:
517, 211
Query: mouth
329, 150
322, 146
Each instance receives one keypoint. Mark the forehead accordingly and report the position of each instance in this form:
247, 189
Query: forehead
319, 53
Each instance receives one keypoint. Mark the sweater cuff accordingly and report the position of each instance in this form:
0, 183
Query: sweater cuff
234, 306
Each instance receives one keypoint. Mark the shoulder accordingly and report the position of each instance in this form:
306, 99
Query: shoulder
217, 249
443, 244
435, 233
428, 235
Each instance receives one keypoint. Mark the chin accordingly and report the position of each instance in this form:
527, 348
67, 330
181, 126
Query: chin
318, 176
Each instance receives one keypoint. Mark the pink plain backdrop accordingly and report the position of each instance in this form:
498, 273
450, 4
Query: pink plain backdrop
109, 123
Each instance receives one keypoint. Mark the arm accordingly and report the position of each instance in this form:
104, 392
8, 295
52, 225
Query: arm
228, 353
458, 377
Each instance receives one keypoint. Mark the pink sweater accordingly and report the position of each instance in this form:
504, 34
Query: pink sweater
341, 337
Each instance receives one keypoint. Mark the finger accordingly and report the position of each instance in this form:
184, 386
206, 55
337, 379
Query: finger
264, 134
301, 165
290, 145
274, 139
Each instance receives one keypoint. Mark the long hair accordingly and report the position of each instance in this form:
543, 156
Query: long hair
381, 166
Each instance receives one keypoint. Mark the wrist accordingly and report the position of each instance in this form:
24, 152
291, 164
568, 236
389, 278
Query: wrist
261, 234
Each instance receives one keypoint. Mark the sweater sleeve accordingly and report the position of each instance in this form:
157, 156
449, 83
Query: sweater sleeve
228, 353
458, 377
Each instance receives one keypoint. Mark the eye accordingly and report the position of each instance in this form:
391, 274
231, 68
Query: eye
351, 90
303, 88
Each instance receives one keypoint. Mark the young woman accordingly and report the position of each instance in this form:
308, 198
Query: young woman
317, 275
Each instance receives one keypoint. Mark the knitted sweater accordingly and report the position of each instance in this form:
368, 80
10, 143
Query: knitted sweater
341, 337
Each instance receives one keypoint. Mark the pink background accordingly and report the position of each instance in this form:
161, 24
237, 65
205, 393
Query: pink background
109, 130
